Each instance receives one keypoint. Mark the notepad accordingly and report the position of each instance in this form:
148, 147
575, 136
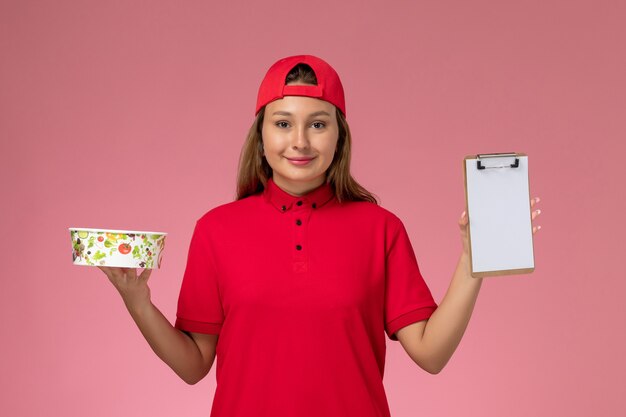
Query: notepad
497, 196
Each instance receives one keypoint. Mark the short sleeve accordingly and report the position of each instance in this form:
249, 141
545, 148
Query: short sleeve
199, 302
407, 297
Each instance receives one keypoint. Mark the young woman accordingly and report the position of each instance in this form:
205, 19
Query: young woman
294, 285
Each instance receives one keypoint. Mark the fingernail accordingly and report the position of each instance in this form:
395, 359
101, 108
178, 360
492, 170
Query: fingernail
538, 211
538, 227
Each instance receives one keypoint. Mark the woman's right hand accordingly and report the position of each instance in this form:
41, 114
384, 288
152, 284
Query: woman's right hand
133, 289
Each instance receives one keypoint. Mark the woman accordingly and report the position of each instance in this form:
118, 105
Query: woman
294, 285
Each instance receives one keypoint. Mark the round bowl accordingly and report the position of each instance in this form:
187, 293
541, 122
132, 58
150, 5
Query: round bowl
122, 248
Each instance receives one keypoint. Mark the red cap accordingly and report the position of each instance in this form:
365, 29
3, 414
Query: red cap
328, 86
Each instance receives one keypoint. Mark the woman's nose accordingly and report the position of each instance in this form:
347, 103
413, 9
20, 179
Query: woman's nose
300, 139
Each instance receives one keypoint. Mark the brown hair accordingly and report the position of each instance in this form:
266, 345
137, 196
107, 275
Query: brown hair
254, 171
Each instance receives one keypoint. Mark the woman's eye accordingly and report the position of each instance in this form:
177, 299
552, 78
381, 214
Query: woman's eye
282, 124
318, 125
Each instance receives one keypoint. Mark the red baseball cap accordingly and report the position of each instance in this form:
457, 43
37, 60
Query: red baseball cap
328, 86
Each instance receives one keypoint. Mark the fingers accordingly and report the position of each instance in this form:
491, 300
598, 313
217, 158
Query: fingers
535, 214
145, 275
107, 271
463, 220
117, 274
130, 272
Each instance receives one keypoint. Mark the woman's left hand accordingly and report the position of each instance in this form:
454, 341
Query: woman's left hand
463, 222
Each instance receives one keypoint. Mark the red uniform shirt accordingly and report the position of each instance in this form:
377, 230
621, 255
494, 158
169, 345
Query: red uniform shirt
301, 291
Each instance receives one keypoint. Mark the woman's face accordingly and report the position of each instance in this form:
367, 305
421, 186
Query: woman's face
299, 139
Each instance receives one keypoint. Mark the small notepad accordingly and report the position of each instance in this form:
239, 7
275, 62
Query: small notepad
497, 195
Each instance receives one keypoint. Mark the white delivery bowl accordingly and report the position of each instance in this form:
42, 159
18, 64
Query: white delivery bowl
123, 248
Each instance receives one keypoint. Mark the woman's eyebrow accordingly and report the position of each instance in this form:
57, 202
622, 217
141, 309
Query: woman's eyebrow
320, 113
286, 113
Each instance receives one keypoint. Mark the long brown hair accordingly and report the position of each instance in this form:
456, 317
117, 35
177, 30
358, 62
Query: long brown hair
254, 171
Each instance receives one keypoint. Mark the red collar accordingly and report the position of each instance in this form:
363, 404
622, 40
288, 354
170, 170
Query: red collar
284, 201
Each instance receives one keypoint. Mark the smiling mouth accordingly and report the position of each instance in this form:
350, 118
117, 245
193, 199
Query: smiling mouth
300, 159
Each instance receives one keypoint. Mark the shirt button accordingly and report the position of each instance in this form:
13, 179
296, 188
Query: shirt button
283, 208
298, 222
314, 205
298, 247
299, 203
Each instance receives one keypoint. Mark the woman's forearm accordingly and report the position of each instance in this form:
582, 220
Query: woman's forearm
175, 348
179, 351
445, 328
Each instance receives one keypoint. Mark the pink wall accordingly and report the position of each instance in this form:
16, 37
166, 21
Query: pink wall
131, 115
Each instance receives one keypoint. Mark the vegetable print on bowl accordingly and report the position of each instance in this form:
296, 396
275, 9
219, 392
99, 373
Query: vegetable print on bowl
122, 248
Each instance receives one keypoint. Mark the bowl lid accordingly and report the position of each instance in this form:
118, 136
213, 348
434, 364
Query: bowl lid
136, 232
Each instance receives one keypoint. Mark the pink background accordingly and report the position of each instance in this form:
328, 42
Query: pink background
131, 115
